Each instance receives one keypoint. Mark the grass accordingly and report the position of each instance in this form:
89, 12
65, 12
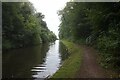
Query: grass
72, 64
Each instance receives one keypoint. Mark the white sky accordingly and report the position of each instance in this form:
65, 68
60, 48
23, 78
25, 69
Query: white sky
49, 8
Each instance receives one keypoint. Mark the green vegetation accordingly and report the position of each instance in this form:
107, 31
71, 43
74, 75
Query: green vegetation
72, 64
23, 26
98, 24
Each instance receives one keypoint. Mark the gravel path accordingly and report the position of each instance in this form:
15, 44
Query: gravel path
89, 66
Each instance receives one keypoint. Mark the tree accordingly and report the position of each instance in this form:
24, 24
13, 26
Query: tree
98, 23
23, 26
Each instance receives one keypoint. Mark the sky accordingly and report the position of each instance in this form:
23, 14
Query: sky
50, 8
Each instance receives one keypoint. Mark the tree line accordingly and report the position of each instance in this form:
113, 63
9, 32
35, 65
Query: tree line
96, 24
22, 26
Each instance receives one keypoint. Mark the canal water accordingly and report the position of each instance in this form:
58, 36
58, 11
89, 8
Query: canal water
40, 61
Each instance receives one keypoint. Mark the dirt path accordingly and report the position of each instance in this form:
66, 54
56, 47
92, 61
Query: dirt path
89, 66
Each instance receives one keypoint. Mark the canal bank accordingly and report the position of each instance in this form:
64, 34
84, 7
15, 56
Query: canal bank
72, 64
83, 62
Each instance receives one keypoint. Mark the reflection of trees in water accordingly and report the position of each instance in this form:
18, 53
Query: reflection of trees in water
63, 51
18, 63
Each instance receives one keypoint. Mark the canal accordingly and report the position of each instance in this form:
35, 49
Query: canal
39, 61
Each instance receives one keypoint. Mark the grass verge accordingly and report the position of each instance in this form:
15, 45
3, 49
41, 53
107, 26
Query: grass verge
72, 64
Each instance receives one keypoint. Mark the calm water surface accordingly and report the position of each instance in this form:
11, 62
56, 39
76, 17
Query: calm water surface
34, 62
